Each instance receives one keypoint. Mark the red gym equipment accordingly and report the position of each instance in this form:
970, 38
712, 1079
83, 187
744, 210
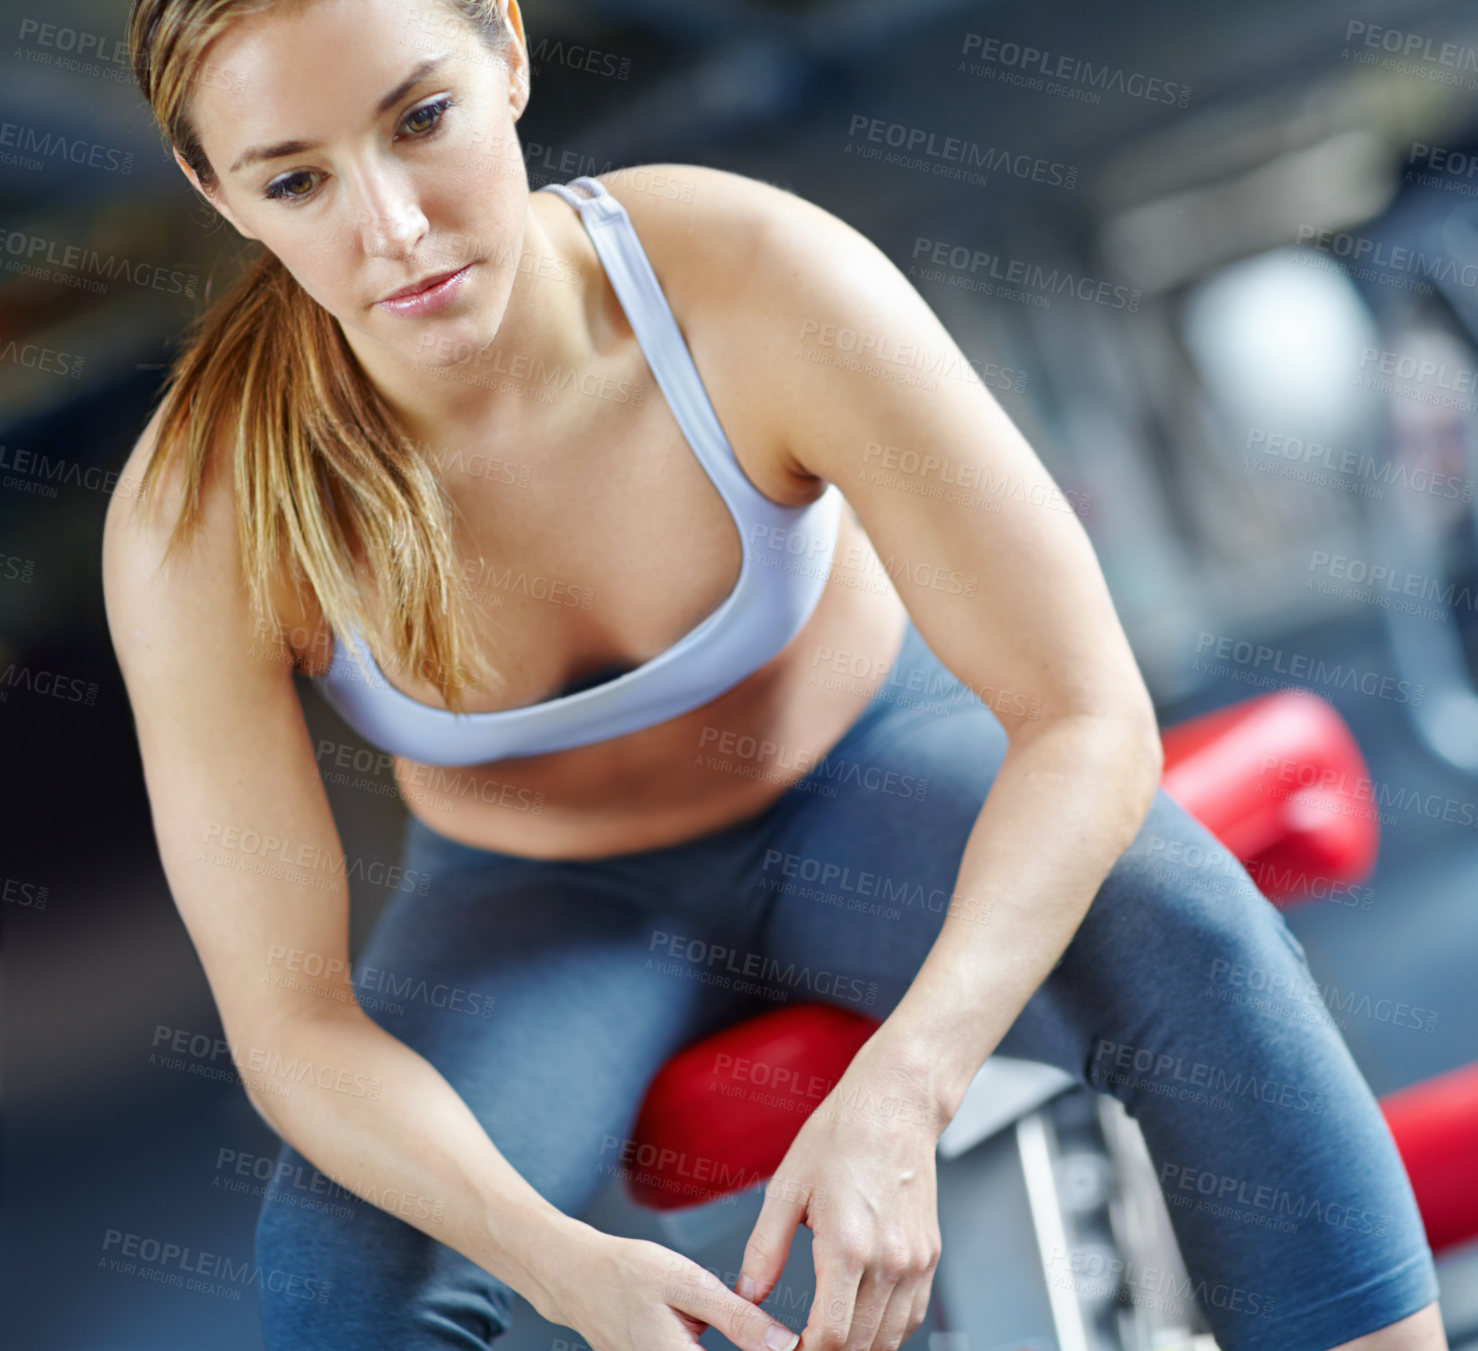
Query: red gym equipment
1279, 780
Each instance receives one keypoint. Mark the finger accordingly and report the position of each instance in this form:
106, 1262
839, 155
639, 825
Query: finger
769, 1243
874, 1293
920, 1310
837, 1279
894, 1325
691, 1328
697, 1292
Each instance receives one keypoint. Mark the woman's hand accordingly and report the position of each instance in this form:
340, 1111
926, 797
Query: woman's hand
624, 1294
860, 1176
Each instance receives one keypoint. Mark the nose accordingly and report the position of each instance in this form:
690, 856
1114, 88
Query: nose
391, 222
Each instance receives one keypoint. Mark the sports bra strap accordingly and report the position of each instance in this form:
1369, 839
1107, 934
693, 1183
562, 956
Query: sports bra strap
594, 191
650, 315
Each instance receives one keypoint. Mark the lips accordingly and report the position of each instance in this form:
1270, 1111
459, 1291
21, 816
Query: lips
430, 295
415, 288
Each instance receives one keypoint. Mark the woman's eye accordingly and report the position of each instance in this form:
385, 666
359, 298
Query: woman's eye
278, 189
433, 113
422, 123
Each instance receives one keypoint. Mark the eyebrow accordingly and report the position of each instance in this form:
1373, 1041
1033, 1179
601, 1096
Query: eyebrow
265, 152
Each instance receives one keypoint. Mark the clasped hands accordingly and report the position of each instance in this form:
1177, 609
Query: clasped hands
860, 1175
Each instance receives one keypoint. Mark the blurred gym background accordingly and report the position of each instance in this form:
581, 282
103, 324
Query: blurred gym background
1229, 254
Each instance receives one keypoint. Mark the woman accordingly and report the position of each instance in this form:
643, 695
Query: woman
446, 448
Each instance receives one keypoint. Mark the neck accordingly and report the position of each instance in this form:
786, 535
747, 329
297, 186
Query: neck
546, 327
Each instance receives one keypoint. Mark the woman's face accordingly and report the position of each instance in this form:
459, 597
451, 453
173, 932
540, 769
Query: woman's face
370, 145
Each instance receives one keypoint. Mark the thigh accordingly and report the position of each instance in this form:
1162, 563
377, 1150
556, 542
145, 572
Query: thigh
863, 857
862, 877
532, 987
1252, 1101
528, 986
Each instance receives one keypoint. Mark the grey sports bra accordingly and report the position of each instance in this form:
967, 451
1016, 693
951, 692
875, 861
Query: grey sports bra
787, 556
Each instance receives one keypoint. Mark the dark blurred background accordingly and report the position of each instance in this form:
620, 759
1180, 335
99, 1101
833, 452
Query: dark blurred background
1262, 403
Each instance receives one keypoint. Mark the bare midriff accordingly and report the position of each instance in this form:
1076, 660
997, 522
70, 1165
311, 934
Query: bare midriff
692, 774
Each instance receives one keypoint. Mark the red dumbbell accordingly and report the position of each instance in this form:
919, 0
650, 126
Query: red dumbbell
1435, 1124
1281, 782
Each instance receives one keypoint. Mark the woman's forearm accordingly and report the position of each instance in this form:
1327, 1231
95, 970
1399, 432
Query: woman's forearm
1066, 802
377, 1118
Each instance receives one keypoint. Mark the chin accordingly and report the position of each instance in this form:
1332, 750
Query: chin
450, 345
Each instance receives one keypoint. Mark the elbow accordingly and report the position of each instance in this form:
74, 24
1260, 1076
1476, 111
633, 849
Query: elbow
275, 1044
1139, 763
1134, 733
1127, 730
1129, 723
260, 1047
267, 1118
1146, 739
1122, 750
258, 1088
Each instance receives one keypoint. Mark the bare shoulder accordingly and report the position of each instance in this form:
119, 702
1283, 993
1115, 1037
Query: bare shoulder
141, 573
136, 535
755, 253
727, 233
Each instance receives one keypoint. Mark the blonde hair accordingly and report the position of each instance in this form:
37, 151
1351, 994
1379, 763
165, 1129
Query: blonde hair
324, 476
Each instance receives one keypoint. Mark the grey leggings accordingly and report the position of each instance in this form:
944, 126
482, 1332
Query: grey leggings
599, 970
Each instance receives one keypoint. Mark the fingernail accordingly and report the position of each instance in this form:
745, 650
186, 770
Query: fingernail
746, 1290
781, 1338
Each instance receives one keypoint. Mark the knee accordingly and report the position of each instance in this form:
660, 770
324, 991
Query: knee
336, 1270
306, 1249
301, 1275
1180, 899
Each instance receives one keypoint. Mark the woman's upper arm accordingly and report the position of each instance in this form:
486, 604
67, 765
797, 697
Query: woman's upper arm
866, 388
245, 834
